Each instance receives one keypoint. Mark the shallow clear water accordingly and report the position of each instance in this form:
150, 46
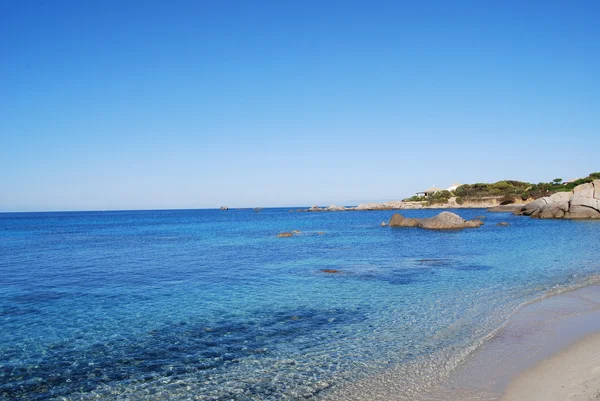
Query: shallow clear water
211, 305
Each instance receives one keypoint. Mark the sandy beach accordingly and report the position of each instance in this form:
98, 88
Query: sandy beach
571, 375
548, 351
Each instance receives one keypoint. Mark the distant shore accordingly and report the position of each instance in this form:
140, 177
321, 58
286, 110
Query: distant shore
452, 203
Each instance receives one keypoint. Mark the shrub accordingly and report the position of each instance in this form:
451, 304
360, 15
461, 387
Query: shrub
415, 198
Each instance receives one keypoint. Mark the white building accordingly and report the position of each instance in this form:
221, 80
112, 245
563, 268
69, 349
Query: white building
453, 187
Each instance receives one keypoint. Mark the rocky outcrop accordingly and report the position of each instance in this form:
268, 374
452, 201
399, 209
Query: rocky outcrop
581, 203
330, 208
443, 221
398, 220
506, 208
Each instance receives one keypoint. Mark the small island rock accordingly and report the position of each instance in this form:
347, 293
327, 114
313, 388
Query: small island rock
443, 221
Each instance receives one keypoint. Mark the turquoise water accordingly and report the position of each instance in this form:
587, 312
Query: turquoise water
211, 305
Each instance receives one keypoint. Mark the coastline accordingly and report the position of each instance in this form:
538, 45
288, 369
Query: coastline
550, 345
548, 350
452, 203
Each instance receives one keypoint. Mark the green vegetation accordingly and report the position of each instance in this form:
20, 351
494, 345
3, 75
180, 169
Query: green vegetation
415, 198
508, 190
439, 197
500, 188
589, 178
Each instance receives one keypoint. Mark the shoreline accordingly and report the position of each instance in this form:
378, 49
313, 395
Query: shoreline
546, 347
508, 363
452, 203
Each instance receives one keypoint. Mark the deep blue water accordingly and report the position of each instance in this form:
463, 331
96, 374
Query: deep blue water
211, 305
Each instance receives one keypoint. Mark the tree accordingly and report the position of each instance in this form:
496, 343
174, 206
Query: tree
557, 181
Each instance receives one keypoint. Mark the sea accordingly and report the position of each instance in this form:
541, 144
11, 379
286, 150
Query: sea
213, 305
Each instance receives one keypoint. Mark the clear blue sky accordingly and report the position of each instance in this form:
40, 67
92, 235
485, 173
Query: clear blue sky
175, 104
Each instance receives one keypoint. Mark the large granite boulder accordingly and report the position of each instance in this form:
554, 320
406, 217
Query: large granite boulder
398, 220
581, 203
443, 221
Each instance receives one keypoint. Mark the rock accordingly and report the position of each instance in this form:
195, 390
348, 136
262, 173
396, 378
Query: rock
443, 221
296, 232
314, 208
448, 221
505, 208
531, 207
334, 208
503, 224
585, 190
582, 203
582, 212
330, 271
321, 233
383, 224
224, 208
579, 200
398, 220
285, 235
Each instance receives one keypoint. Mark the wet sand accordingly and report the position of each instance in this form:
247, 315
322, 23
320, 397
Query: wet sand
549, 350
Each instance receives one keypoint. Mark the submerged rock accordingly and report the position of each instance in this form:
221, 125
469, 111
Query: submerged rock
330, 271
443, 221
503, 224
285, 235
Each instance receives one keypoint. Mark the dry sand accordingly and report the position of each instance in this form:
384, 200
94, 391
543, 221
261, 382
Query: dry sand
571, 375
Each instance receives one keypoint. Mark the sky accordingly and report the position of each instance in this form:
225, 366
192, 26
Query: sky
198, 104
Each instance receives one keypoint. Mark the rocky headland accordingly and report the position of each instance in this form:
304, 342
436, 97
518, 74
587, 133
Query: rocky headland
574, 199
583, 202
